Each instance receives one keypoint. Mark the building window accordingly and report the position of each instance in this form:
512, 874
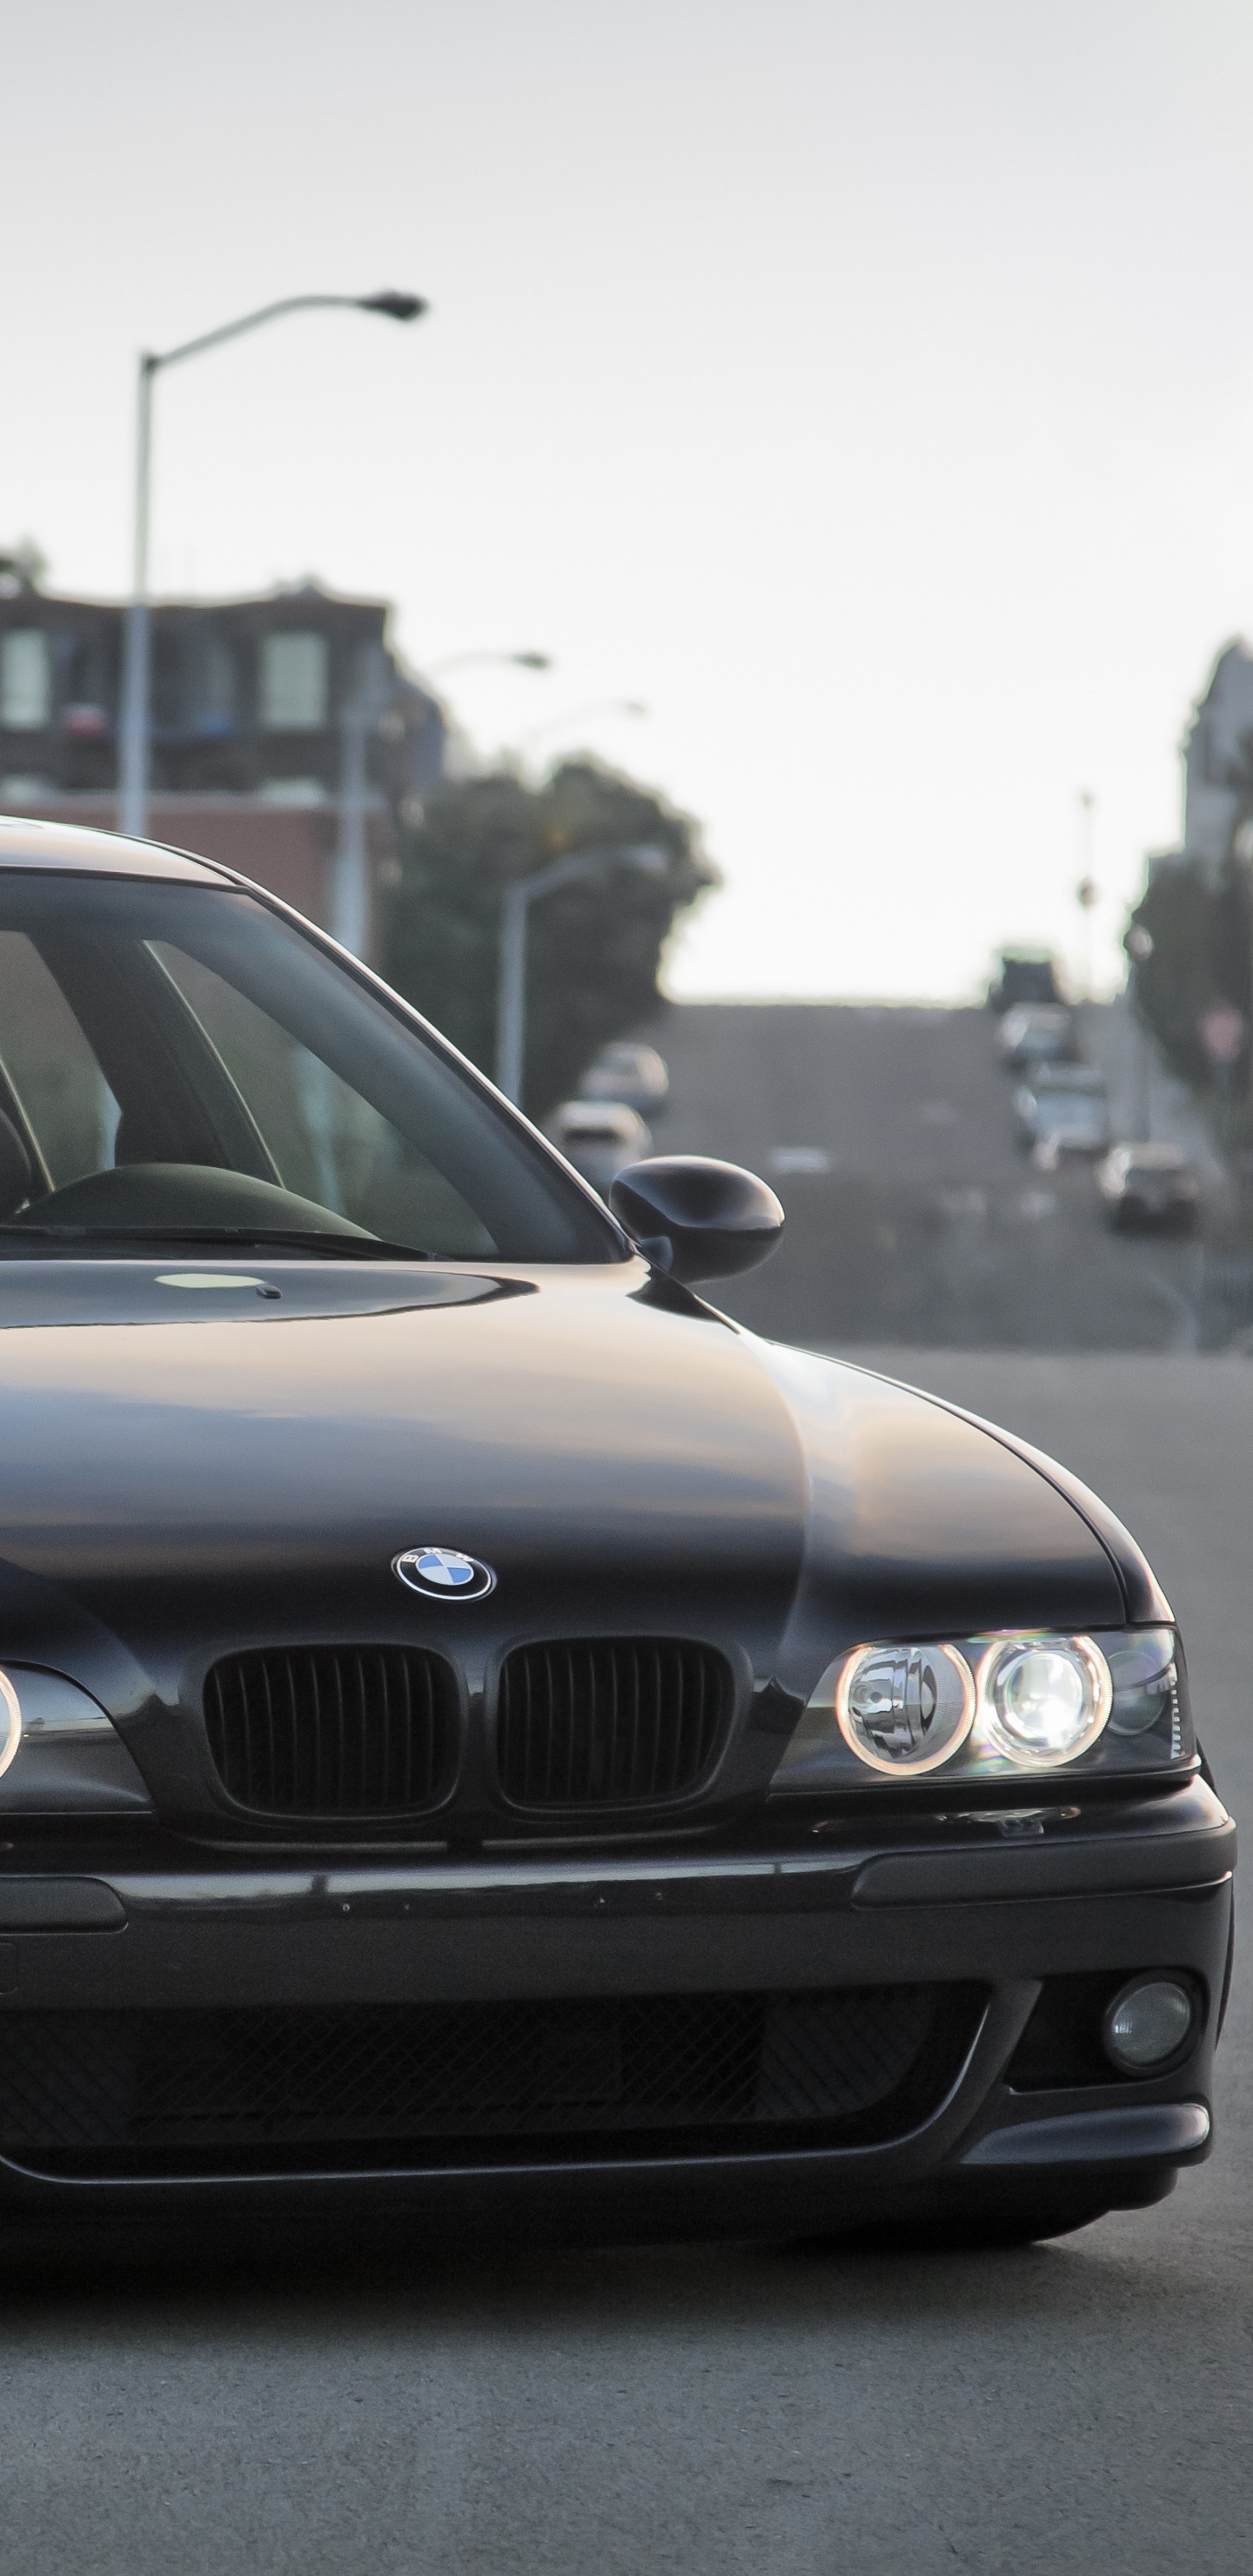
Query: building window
293, 682
218, 685
25, 679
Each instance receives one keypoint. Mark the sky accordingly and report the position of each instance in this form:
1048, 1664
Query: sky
863, 386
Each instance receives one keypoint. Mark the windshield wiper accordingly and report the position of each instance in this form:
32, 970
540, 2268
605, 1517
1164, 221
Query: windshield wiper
335, 1247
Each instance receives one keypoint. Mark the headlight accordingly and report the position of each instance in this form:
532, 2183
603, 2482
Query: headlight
61, 1754
989, 1707
1044, 1699
905, 1708
10, 1723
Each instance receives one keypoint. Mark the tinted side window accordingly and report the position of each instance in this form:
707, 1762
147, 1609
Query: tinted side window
51, 1067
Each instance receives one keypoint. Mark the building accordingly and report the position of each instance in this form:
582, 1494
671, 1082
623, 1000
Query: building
1218, 758
287, 739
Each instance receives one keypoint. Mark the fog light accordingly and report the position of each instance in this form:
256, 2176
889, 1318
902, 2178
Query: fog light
1148, 2023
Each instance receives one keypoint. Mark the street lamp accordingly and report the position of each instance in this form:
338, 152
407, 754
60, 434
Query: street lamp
135, 725
505, 661
651, 861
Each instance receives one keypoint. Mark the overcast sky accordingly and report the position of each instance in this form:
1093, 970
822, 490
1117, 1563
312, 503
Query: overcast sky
865, 385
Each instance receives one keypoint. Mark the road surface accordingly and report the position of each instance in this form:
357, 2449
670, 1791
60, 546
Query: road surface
912, 1215
1082, 2409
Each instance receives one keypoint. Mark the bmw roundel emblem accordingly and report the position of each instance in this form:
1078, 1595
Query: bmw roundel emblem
444, 1574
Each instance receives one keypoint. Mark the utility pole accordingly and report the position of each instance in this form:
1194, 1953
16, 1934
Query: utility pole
350, 881
134, 748
1087, 892
515, 910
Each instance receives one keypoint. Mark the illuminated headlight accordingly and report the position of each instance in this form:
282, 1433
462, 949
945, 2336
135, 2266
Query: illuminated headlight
1044, 1699
10, 1722
991, 1706
905, 1708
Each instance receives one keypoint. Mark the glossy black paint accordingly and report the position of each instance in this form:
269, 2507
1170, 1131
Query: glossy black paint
188, 1473
174, 1490
696, 1218
148, 1926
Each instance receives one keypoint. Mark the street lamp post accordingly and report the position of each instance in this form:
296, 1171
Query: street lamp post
1087, 892
1139, 947
136, 691
651, 861
375, 688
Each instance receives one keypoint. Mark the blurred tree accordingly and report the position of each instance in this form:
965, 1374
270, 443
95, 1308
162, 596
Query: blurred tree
593, 950
1199, 945
1201, 928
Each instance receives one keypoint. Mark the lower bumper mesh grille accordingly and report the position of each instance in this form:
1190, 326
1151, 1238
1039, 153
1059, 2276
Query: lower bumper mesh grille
165, 2089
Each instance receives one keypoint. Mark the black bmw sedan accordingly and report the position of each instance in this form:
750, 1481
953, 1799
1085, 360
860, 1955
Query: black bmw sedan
483, 1737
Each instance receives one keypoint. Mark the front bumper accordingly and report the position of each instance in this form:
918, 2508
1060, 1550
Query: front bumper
990, 1909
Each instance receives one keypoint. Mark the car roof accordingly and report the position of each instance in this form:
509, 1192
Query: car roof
598, 1118
1068, 1077
624, 1051
1151, 1158
72, 847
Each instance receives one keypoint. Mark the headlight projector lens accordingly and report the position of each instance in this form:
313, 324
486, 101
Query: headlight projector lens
905, 1708
1148, 2023
1047, 1699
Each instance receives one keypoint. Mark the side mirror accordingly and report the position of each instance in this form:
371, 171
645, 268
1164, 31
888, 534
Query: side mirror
695, 1218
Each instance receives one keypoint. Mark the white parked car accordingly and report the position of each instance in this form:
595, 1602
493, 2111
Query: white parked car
623, 1071
1149, 1185
600, 1137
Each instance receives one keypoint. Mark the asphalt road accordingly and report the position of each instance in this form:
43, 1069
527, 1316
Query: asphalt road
1080, 2407
912, 1215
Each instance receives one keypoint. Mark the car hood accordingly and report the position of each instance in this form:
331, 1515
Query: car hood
185, 1470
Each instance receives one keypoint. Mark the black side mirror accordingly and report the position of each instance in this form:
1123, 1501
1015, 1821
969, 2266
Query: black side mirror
695, 1218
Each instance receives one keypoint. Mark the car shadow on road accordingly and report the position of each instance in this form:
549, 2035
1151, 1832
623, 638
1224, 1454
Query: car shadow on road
1128, 2272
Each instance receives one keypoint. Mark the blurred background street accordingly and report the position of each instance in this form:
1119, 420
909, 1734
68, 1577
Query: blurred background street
912, 1215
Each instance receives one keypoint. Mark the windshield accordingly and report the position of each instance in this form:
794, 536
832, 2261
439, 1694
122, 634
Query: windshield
1075, 1109
178, 1060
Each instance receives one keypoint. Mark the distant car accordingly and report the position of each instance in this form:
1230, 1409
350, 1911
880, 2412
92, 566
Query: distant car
1149, 1185
600, 1137
1063, 1111
635, 1075
1027, 975
1037, 1033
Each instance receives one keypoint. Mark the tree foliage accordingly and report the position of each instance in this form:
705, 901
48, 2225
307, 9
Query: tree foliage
593, 949
1201, 927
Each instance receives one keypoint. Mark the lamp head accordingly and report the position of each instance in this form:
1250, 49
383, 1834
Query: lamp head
399, 308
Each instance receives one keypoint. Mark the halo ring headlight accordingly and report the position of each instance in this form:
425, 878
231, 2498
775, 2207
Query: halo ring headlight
905, 1709
10, 1721
1044, 1699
